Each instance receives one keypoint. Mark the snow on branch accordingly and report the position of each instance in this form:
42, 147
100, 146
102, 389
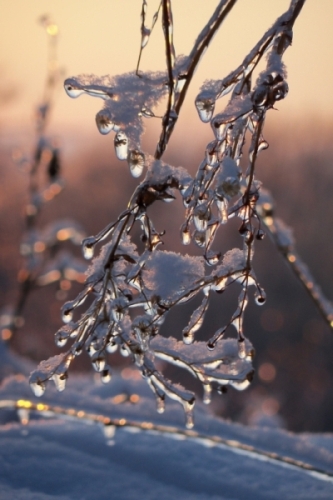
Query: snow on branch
131, 289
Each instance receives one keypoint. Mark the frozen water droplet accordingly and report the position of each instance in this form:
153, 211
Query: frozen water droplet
38, 388
207, 396
205, 108
61, 337
121, 145
211, 153
112, 346
72, 89
199, 238
280, 91
124, 350
98, 362
260, 96
212, 258
188, 336
146, 112
185, 234
104, 121
106, 375
67, 312
145, 34
220, 130
88, 247
60, 381
119, 306
241, 349
219, 285
24, 415
136, 162
160, 404
201, 216
260, 297
263, 145
260, 234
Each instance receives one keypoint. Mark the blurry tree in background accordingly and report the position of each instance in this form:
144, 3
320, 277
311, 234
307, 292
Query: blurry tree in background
132, 273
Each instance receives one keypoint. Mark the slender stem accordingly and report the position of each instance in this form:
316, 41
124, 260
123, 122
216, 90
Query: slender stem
200, 45
301, 271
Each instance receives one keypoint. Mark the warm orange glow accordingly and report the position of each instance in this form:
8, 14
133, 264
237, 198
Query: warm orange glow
55, 189
6, 334
63, 234
119, 399
134, 398
129, 373
147, 425
49, 277
65, 285
122, 421
291, 258
270, 406
30, 210
267, 372
39, 247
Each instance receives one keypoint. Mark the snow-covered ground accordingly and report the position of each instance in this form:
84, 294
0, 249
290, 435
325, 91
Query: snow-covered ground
58, 455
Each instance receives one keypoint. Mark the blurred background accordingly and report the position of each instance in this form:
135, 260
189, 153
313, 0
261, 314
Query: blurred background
294, 346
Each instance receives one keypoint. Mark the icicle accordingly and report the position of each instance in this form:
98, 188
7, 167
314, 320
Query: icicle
217, 336
160, 404
207, 396
185, 234
241, 348
212, 153
222, 205
195, 322
188, 409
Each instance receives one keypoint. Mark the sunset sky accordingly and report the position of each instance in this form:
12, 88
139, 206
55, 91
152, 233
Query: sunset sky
103, 38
